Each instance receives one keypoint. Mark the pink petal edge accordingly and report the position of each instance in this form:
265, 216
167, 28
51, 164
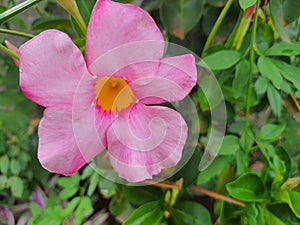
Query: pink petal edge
50, 68
132, 155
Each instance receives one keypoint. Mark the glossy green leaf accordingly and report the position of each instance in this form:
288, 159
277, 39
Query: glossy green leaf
150, 5
254, 214
214, 169
274, 98
292, 198
180, 16
120, 208
271, 131
241, 78
50, 22
271, 219
270, 71
150, 213
190, 213
138, 196
283, 212
284, 49
248, 187
230, 145
246, 3
289, 72
222, 60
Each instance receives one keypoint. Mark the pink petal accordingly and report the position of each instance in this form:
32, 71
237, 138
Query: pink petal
123, 33
144, 140
167, 80
58, 151
50, 68
87, 120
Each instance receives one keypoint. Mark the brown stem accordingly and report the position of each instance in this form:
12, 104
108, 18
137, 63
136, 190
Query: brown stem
216, 195
289, 107
296, 102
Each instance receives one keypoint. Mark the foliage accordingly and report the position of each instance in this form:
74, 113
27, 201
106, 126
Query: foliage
255, 57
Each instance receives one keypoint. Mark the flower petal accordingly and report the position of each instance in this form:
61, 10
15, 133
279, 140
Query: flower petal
50, 68
144, 140
86, 119
121, 30
58, 151
174, 79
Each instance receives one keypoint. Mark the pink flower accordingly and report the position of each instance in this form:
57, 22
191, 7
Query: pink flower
103, 102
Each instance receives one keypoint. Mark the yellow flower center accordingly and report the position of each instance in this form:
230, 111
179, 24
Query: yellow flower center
113, 94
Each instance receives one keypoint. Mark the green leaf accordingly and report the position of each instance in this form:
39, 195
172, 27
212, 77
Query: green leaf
84, 206
214, 169
248, 187
271, 131
246, 3
71, 206
222, 60
138, 196
150, 213
284, 49
274, 100
283, 212
276, 9
190, 213
16, 186
289, 72
291, 10
4, 164
50, 22
270, 71
107, 188
68, 192
230, 145
120, 208
180, 16
94, 180
292, 198
15, 167
261, 85
241, 78
71, 181
271, 219
254, 215
16, 10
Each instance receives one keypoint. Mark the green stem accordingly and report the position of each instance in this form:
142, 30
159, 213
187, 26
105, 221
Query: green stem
6, 15
249, 94
216, 26
80, 21
16, 33
9, 52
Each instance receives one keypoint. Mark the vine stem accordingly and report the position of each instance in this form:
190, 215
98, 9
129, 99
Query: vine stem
16, 33
9, 52
216, 26
197, 189
249, 92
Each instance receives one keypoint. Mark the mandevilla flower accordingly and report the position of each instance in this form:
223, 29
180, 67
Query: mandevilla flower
109, 100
